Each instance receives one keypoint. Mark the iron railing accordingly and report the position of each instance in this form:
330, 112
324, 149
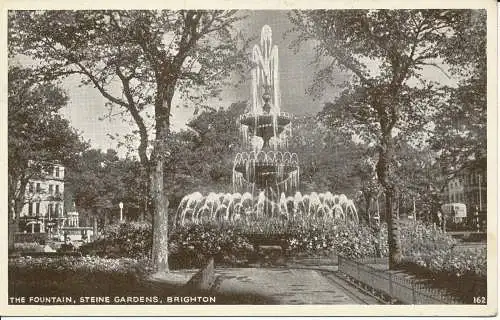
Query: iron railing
405, 290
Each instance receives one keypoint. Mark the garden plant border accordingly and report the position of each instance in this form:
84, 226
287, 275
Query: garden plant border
390, 286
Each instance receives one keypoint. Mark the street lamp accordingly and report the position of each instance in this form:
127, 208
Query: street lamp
121, 210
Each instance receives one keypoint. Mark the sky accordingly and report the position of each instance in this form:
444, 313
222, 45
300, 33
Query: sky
87, 106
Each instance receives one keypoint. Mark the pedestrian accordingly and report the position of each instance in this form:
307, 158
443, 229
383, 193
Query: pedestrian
440, 219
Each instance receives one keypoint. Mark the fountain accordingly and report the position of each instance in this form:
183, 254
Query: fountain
266, 167
266, 178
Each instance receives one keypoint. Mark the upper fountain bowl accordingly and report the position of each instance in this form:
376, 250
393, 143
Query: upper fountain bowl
262, 125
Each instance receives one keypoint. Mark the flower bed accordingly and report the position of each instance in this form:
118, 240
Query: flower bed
463, 272
192, 246
235, 243
131, 240
73, 276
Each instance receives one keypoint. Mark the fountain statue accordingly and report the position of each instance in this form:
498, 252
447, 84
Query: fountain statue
266, 178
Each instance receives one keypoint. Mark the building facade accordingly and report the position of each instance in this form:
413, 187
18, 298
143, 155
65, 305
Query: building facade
470, 188
44, 201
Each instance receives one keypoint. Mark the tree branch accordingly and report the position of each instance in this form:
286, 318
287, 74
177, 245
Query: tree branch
131, 106
436, 66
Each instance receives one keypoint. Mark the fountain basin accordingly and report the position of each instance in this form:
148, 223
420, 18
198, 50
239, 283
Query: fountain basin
266, 125
265, 174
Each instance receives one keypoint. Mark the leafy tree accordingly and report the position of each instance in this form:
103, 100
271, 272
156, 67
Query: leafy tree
201, 159
37, 135
99, 181
460, 133
326, 157
152, 56
388, 97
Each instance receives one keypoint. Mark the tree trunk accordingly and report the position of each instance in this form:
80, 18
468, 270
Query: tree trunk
106, 219
94, 227
384, 173
160, 217
13, 228
367, 210
394, 239
157, 185
145, 179
15, 209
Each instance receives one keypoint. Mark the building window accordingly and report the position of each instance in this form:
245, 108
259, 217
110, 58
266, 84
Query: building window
30, 208
38, 188
57, 172
51, 209
51, 187
57, 209
31, 187
57, 188
37, 208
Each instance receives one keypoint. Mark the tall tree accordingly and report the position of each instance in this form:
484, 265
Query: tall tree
37, 134
388, 97
460, 133
151, 56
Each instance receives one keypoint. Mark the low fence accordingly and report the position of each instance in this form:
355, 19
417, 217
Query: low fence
403, 289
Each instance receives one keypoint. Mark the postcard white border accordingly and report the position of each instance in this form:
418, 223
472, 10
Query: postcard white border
266, 310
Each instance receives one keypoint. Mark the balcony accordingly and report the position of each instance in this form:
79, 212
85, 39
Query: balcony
56, 196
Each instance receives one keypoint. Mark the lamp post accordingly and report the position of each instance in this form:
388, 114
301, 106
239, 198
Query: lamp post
121, 210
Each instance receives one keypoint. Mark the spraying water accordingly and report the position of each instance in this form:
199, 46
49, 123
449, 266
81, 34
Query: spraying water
266, 178
235, 206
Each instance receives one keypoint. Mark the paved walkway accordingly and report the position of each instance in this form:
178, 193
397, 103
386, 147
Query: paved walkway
290, 285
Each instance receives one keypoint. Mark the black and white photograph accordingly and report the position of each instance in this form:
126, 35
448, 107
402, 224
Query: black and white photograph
174, 159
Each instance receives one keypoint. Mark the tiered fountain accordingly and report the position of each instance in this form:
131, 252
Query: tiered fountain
266, 178
267, 167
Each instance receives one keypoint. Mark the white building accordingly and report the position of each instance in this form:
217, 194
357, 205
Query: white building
44, 200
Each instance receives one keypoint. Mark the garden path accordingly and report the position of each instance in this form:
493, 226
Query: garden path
290, 285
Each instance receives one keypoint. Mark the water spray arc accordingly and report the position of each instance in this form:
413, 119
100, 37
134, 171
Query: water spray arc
268, 167
265, 178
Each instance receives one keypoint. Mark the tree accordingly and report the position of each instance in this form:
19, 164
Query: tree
99, 181
37, 135
388, 97
214, 136
326, 157
153, 56
460, 134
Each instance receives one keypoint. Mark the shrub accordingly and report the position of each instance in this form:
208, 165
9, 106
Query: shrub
193, 245
73, 276
130, 239
232, 243
27, 247
418, 238
73, 264
453, 264
463, 272
38, 237
342, 238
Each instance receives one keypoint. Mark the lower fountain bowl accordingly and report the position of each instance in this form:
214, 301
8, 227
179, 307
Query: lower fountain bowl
266, 174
